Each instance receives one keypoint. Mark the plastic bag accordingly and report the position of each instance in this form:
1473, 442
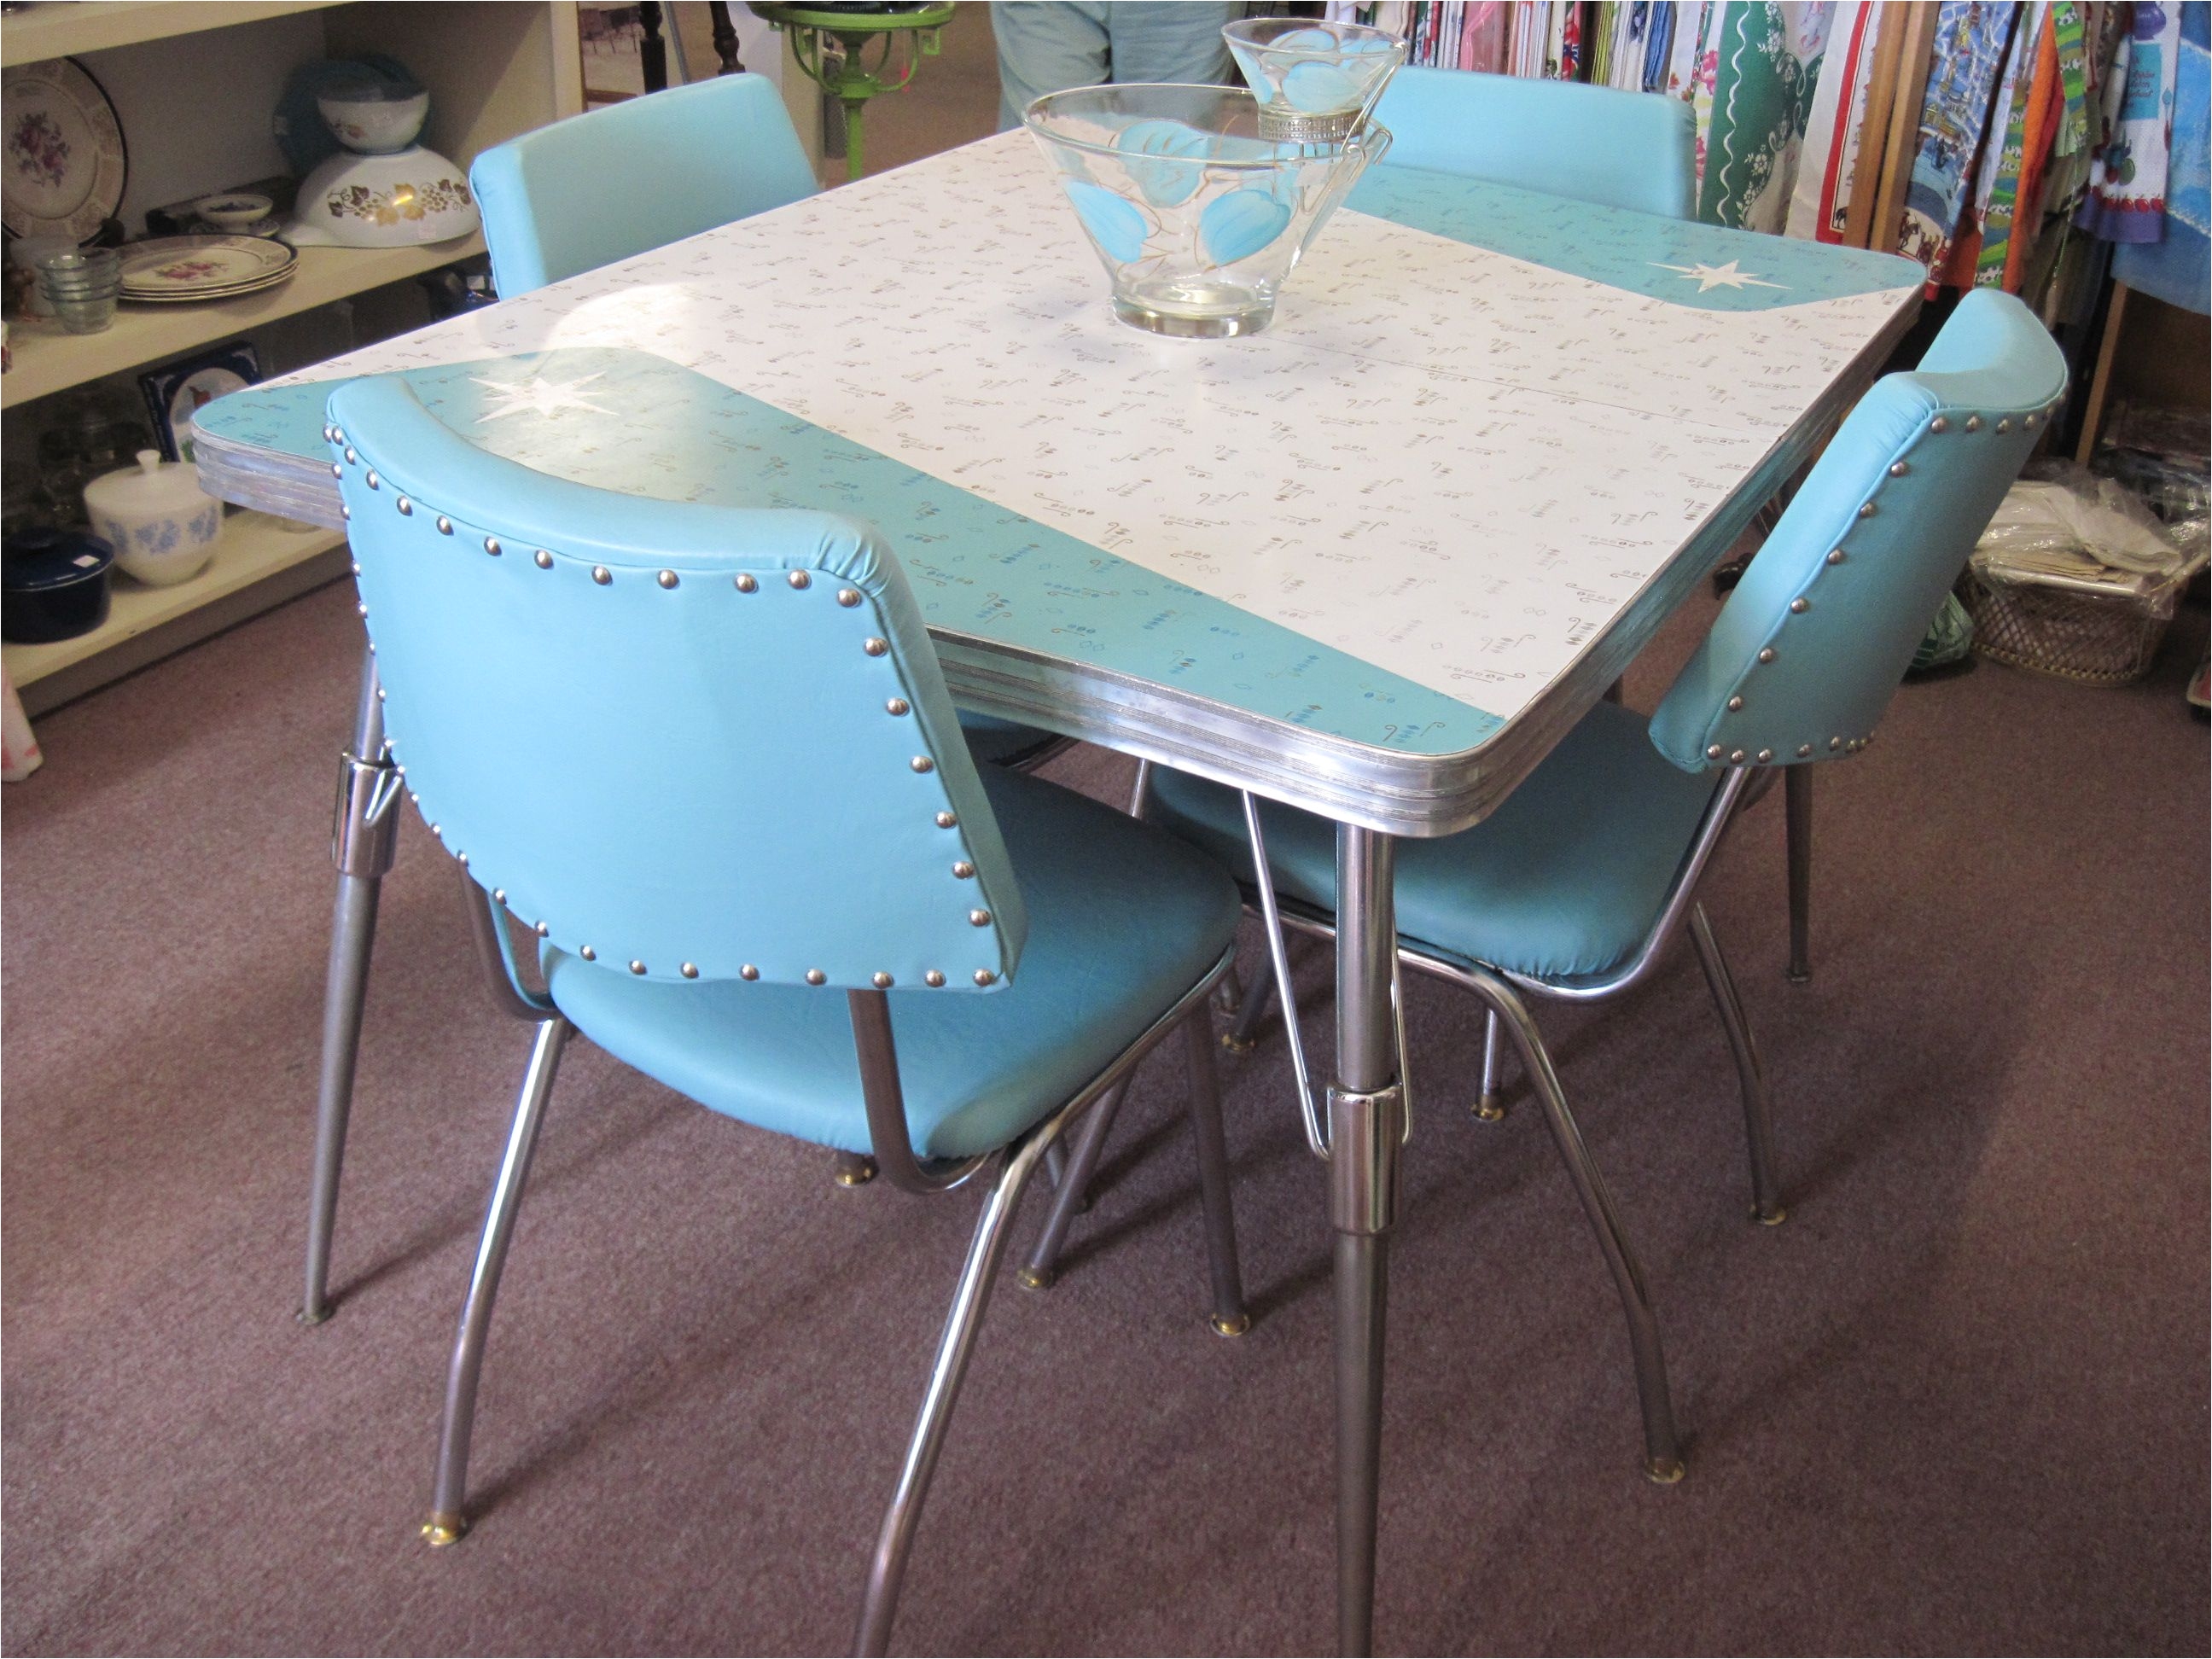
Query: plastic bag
2065, 527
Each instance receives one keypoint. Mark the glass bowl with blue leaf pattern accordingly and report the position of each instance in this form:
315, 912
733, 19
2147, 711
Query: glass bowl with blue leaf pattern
1315, 81
1197, 217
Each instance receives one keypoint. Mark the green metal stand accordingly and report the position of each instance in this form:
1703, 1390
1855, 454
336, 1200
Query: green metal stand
832, 49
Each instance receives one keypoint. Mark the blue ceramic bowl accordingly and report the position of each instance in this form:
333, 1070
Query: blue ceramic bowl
1197, 218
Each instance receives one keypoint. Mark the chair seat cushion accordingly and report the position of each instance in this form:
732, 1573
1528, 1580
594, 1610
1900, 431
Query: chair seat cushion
1123, 921
1000, 742
1562, 882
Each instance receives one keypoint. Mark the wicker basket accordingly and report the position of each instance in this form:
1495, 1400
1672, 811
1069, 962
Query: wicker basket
2098, 639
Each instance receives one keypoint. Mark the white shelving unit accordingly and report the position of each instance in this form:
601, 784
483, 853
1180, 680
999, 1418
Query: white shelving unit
494, 68
49, 359
260, 562
65, 29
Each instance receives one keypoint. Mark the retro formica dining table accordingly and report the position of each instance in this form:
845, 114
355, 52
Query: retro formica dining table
1374, 561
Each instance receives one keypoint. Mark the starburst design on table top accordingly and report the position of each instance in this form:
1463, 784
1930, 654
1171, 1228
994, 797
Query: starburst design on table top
1711, 277
537, 396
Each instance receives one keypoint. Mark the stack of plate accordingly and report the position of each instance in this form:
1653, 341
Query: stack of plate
173, 269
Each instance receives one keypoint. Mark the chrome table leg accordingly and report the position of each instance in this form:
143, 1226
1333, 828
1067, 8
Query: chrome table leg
1758, 1121
449, 1517
365, 824
1797, 813
1367, 1124
887, 1569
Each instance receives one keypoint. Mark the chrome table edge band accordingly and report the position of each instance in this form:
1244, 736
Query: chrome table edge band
1394, 792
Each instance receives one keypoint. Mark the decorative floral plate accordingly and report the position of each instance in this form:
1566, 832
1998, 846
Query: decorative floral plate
203, 267
63, 166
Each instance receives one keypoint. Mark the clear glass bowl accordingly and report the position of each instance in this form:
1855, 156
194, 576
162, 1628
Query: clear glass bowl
1197, 219
1315, 81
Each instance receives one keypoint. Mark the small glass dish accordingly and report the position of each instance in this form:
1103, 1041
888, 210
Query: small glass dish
1197, 217
1315, 81
82, 286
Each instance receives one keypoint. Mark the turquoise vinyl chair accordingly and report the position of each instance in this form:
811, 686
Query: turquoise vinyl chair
705, 755
631, 177
1623, 150
1577, 886
622, 180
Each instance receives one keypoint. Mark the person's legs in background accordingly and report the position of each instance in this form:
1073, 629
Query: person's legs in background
1049, 45
1178, 41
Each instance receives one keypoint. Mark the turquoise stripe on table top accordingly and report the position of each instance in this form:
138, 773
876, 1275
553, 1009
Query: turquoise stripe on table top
631, 421
1706, 267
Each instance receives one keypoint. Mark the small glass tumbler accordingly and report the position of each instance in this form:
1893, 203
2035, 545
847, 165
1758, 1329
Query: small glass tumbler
83, 285
1315, 81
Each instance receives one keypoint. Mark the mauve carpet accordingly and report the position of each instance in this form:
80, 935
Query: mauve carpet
1957, 1403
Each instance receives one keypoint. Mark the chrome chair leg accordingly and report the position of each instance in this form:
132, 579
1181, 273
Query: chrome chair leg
1055, 1164
1797, 813
887, 1570
1228, 1317
1662, 1459
364, 828
1243, 1036
1487, 1106
1758, 1121
1071, 1197
449, 1517
1229, 995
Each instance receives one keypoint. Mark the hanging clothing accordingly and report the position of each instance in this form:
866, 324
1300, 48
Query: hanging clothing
1688, 43
1820, 200
1768, 68
1658, 47
2127, 183
1482, 36
1972, 39
2027, 81
2177, 268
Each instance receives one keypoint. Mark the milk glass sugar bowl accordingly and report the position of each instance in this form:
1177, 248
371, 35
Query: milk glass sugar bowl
163, 528
1315, 81
1197, 217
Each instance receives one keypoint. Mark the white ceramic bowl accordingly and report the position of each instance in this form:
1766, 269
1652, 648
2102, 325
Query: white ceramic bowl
366, 120
163, 528
383, 200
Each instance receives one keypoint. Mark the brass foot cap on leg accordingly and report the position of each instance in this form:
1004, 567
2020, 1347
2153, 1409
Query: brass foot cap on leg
1774, 1218
1237, 1045
1663, 1471
444, 1527
1035, 1278
311, 1317
1236, 1326
856, 1175
1489, 1109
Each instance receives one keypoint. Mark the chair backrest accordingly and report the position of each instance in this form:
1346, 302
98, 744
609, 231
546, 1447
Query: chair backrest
1624, 149
634, 176
1813, 643
683, 741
